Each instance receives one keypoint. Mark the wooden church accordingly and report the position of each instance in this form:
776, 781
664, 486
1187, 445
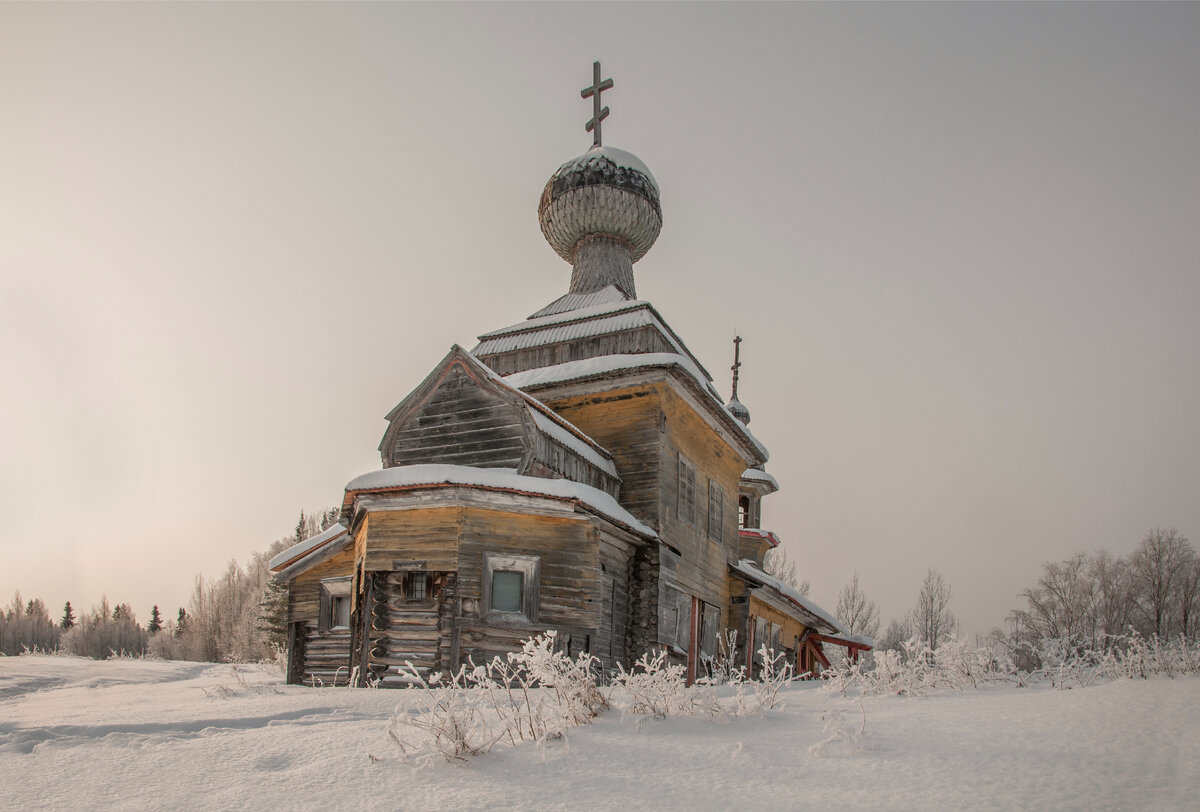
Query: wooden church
577, 471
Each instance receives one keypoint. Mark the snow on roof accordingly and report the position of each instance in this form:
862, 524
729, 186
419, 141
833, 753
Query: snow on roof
755, 475
630, 319
307, 546
857, 639
603, 364
412, 476
579, 301
552, 423
571, 324
536, 322
749, 568
623, 159
600, 365
566, 438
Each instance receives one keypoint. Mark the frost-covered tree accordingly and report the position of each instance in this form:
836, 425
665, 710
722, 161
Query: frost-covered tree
1159, 566
1112, 583
27, 625
1189, 600
104, 632
181, 622
68, 618
156, 622
1061, 605
123, 613
859, 615
897, 632
931, 619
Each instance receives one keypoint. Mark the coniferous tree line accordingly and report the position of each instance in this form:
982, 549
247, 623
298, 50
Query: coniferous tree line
238, 616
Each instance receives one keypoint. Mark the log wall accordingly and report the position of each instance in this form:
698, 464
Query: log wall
326, 655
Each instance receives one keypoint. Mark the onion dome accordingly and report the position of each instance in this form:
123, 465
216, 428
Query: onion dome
738, 410
601, 213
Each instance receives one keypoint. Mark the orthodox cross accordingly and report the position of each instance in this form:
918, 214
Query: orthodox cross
594, 92
737, 354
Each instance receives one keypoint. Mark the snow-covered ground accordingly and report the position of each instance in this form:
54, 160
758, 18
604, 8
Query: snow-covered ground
136, 734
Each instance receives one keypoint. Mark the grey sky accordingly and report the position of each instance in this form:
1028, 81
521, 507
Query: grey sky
959, 241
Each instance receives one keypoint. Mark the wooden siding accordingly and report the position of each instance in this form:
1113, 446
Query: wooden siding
702, 567
792, 629
428, 535
585, 571
569, 576
460, 423
627, 422
646, 428
552, 460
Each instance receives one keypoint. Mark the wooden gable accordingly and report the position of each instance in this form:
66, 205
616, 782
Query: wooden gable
458, 416
463, 414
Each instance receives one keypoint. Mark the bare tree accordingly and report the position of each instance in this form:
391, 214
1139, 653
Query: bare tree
1062, 604
1159, 566
931, 619
1189, 599
777, 564
856, 613
1112, 582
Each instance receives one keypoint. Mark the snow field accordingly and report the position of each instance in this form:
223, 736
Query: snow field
139, 734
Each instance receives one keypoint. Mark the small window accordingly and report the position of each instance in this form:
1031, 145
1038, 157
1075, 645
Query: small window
510, 587
687, 491
507, 590
340, 611
744, 512
334, 609
416, 586
716, 510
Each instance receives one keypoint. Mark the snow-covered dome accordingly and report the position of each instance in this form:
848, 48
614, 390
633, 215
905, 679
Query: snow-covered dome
605, 192
739, 410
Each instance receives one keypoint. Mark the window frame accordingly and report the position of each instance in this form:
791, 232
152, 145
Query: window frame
530, 568
426, 586
330, 591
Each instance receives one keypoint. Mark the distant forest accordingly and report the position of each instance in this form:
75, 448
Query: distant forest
1091, 601
240, 616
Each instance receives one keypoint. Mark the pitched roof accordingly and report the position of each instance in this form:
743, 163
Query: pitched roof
605, 364
412, 477
543, 417
753, 572
312, 550
599, 316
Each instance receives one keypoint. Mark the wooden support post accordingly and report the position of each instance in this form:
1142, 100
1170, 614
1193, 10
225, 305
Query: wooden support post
693, 650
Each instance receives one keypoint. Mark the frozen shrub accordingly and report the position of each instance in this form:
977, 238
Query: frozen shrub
657, 688
535, 694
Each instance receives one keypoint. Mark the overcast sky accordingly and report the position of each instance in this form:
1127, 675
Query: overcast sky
960, 242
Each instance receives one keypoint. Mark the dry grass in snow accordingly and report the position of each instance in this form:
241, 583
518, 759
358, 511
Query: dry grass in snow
136, 734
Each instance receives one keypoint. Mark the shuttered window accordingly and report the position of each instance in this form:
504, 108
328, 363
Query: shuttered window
687, 492
716, 510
